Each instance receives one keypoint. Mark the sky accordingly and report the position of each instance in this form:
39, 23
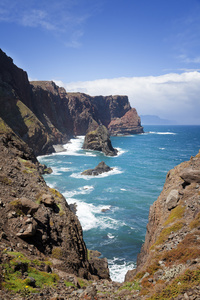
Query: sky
148, 50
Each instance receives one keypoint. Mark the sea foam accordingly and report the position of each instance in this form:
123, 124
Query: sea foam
118, 268
114, 171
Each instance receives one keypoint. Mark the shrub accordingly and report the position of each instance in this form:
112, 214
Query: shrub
176, 213
166, 232
57, 253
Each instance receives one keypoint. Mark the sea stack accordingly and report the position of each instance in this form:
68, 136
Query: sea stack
99, 140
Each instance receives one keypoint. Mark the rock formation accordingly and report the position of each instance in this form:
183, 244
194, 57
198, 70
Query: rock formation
99, 169
43, 114
99, 140
35, 217
128, 124
169, 262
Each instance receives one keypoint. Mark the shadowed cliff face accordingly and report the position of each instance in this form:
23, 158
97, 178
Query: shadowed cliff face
43, 114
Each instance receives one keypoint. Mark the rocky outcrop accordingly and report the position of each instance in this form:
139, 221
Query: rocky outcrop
35, 219
99, 169
43, 114
99, 140
128, 124
169, 262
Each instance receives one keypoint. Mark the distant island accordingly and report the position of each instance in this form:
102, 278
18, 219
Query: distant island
155, 120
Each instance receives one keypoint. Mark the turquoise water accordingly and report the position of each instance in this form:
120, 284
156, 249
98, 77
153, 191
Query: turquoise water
113, 208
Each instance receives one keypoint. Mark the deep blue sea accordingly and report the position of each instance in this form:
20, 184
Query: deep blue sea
113, 207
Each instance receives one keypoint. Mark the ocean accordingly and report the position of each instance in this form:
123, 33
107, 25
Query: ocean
113, 207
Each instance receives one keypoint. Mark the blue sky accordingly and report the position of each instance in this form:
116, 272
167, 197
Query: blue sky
148, 49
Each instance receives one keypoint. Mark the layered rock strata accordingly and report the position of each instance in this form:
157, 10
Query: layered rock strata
99, 140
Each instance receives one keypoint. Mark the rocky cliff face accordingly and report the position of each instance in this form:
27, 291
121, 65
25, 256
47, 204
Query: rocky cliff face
43, 114
99, 140
128, 124
35, 219
169, 262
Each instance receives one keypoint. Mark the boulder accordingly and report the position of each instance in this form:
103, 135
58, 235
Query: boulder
99, 140
172, 199
99, 169
189, 175
28, 231
47, 199
26, 205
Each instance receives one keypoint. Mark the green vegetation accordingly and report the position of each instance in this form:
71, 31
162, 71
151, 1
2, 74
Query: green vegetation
153, 268
131, 286
176, 213
83, 282
57, 253
56, 194
166, 232
140, 275
4, 128
29, 118
14, 274
17, 205
196, 222
68, 284
188, 249
30, 168
179, 286
5, 180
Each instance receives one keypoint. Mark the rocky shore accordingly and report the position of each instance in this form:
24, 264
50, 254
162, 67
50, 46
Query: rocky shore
43, 114
42, 251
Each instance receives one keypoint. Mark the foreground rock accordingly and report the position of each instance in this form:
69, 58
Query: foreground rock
35, 219
168, 266
101, 168
99, 140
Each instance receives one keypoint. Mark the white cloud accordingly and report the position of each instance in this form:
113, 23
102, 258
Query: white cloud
63, 17
171, 96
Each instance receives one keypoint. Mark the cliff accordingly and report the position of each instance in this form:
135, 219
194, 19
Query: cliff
43, 114
169, 263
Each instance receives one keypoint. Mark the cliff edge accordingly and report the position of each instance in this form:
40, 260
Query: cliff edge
43, 114
168, 266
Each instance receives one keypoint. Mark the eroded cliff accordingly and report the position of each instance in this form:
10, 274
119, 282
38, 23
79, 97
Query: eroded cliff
43, 114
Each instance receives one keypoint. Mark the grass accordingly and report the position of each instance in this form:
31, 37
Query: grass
68, 284
188, 249
196, 222
4, 128
130, 286
17, 205
178, 286
30, 168
166, 232
15, 280
56, 193
176, 213
57, 253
